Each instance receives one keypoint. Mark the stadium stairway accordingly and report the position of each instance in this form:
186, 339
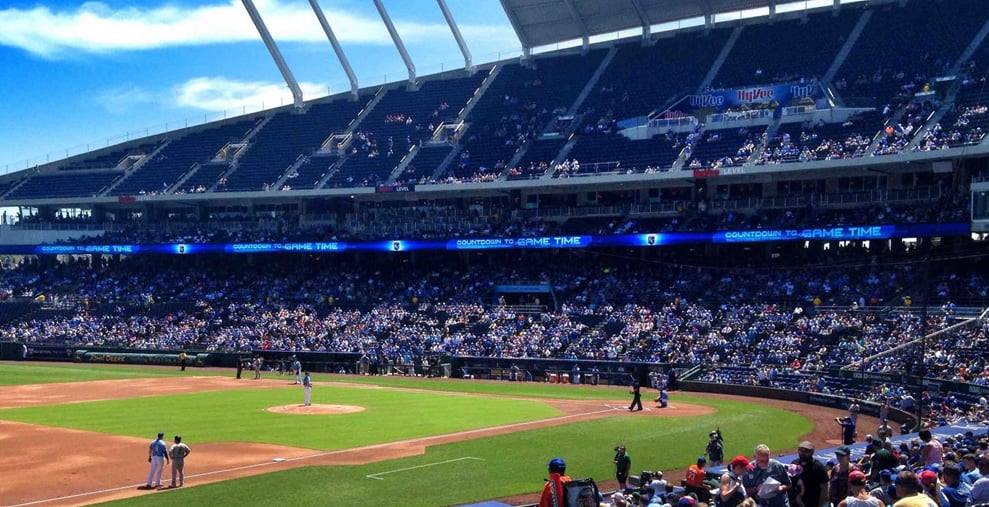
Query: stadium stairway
351, 128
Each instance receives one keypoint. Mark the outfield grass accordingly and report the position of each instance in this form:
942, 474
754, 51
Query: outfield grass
13, 374
447, 474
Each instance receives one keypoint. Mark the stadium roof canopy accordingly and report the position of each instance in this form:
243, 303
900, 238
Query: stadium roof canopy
545, 22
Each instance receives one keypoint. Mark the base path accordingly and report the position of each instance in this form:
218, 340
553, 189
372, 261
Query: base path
119, 469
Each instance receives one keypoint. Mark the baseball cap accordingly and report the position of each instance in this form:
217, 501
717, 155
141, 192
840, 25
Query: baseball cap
928, 477
686, 501
857, 476
806, 444
842, 451
557, 464
161, 434
702, 459
886, 474
739, 461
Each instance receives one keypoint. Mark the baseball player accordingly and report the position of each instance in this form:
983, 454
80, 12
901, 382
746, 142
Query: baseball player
157, 456
178, 452
307, 389
297, 369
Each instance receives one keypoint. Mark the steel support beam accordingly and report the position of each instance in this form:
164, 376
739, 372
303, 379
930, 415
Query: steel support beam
336, 47
468, 61
513, 19
644, 19
585, 36
276, 55
397, 40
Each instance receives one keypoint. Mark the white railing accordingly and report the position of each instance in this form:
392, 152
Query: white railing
740, 115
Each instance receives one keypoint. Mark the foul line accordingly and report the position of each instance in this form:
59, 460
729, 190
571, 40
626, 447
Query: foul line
376, 476
329, 453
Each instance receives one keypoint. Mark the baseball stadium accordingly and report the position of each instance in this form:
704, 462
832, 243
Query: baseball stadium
667, 234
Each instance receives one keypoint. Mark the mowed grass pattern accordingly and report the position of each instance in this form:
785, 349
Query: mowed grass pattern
499, 466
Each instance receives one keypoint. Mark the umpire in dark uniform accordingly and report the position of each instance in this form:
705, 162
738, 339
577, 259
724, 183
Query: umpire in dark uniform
636, 389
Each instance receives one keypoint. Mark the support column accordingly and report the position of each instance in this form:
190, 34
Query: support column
468, 62
398, 41
276, 55
336, 48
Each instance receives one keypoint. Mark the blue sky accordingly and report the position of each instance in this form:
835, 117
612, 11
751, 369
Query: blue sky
77, 76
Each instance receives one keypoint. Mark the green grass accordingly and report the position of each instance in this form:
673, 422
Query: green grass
512, 464
500, 466
226, 416
12, 374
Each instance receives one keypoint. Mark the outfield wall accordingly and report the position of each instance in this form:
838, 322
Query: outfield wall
824, 400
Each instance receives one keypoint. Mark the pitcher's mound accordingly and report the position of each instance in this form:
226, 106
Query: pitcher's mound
316, 408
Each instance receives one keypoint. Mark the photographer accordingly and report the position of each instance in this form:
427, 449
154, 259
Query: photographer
623, 464
715, 448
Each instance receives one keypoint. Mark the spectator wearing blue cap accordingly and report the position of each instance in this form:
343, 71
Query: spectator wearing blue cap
695, 480
555, 486
882, 490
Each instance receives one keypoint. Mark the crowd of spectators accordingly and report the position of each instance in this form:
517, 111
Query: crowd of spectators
617, 312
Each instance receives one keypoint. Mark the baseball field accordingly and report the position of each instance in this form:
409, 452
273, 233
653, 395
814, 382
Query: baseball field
79, 434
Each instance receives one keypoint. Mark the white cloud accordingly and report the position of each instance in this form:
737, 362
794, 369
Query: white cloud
222, 94
121, 100
94, 27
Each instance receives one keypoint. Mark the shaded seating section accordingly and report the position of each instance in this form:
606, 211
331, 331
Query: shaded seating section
426, 162
723, 148
205, 177
174, 160
810, 47
72, 184
309, 174
109, 160
537, 158
640, 79
399, 121
284, 139
6, 186
903, 48
602, 153
518, 106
